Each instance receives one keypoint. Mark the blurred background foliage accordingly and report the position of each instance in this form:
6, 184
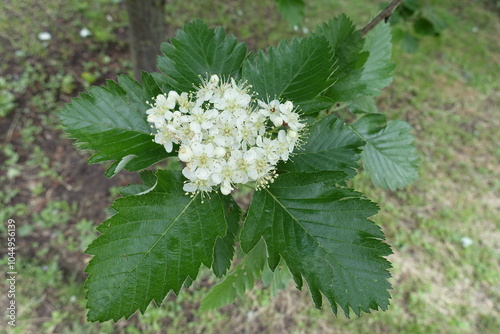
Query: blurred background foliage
415, 19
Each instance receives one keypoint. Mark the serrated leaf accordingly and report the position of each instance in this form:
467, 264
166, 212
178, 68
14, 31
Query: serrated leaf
291, 10
364, 65
149, 181
298, 70
139, 94
363, 104
110, 120
151, 245
330, 145
239, 280
162, 81
315, 106
276, 280
197, 52
389, 155
377, 71
370, 124
224, 246
347, 46
324, 235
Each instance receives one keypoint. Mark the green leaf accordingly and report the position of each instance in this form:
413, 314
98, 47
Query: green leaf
291, 10
413, 5
298, 70
324, 235
363, 104
369, 124
239, 280
347, 46
397, 34
162, 81
410, 43
198, 52
364, 66
408, 8
137, 94
436, 17
151, 245
111, 121
149, 181
276, 280
224, 247
422, 26
329, 146
315, 106
389, 155
377, 71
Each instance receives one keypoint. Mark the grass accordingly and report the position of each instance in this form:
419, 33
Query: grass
448, 91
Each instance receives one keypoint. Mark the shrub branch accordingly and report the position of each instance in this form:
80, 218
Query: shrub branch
384, 15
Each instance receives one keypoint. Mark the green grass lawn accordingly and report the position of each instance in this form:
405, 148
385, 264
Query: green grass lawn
448, 90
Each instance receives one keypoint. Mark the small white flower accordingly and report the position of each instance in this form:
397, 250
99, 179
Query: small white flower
201, 119
270, 147
224, 137
225, 133
247, 135
185, 153
184, 103
283, 146
165, 138
160, 112
239, 165
277, 120
202, 174
223, 175
198, 185
286, 107
269, 109
219, 152
202, 155
205, 93
290, 118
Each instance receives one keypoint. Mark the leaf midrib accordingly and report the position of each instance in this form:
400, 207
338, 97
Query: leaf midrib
156, 242
331, 257
109, 125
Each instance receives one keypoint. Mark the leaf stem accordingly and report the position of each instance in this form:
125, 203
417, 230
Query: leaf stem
339, 106
384, 15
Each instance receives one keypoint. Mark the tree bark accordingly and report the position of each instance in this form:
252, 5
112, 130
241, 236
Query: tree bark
147, 31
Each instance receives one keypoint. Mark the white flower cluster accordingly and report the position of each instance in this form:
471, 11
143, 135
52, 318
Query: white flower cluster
225, 136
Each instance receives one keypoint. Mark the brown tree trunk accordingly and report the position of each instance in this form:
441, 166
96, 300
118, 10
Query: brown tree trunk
147, 31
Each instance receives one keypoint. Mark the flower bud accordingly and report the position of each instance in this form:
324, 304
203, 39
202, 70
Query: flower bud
219, 152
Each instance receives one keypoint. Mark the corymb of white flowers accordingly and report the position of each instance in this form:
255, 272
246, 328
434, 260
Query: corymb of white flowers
226, 136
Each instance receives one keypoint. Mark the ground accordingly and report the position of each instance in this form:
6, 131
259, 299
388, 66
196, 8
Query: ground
448, 91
